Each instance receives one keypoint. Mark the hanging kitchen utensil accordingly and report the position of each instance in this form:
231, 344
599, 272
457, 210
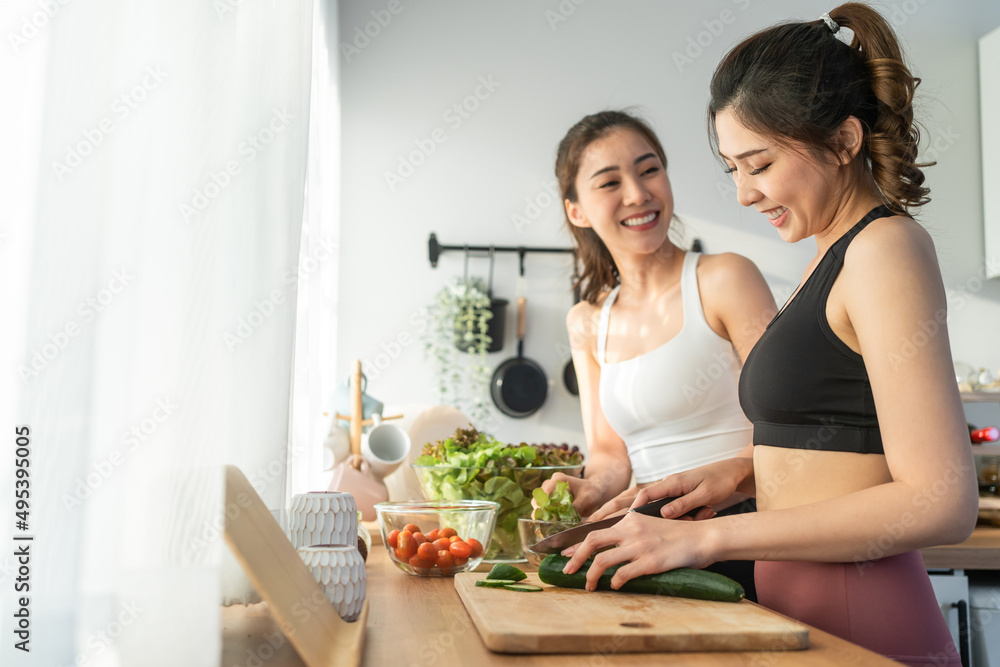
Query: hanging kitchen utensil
498, 323
498, 308
569, 371
519, 384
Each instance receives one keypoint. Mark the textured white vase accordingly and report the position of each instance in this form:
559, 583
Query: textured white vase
341, 573
329, 517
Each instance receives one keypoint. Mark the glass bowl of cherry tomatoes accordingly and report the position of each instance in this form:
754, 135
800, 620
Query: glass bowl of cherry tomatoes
436, 538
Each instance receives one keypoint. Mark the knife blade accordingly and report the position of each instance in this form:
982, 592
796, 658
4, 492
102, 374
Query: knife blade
553, 544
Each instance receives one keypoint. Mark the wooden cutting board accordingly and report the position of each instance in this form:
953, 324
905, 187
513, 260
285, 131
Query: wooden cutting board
565, 620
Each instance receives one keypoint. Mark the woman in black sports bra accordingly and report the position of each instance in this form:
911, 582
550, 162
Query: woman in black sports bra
861, 452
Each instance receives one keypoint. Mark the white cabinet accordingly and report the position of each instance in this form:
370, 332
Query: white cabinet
951, 588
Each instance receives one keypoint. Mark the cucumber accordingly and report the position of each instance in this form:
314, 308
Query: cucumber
494, 583
505, 571
682, 582
524, 588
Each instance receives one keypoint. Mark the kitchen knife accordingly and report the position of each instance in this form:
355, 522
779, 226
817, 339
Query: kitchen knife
553, 544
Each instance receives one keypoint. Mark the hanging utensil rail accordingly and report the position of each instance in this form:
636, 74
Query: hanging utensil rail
434, 249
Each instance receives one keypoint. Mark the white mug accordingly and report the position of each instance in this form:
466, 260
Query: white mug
384, 447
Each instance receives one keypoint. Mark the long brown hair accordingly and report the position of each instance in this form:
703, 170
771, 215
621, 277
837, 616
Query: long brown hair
598, 271
797, 82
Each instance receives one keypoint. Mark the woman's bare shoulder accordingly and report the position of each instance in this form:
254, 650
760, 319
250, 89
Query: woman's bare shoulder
583, 318
728, 271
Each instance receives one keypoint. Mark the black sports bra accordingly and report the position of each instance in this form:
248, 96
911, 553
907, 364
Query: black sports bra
801, 386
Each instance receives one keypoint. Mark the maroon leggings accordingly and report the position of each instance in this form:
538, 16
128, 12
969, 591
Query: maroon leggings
886, 605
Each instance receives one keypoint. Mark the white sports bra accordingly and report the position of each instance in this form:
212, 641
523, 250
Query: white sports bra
677, 406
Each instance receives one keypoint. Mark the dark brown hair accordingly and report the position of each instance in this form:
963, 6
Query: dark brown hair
598, 271
797, 83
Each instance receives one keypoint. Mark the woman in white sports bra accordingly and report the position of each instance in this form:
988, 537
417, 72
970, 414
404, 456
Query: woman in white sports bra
660, 334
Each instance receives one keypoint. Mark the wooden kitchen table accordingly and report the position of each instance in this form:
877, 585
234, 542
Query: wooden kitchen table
420, 622
980, 552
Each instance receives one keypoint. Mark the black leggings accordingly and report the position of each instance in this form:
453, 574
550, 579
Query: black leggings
738, 570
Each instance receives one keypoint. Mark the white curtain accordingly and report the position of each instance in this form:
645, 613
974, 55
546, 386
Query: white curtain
314, 381
150, 281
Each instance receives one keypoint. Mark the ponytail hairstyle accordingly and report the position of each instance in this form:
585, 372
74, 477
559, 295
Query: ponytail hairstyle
797, 82
598, 271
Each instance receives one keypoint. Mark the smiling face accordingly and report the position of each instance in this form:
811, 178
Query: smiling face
623, 193
799, 193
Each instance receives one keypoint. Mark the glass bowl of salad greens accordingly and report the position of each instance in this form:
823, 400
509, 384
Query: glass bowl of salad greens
470, 465
553, 514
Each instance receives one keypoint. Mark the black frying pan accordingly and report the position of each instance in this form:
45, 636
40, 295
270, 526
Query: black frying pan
569, 371
519, 385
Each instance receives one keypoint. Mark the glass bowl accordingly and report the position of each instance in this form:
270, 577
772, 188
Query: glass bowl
532, 531
470, 520
510, 487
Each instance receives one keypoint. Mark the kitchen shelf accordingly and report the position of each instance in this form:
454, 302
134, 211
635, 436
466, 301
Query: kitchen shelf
986, 450
980, 396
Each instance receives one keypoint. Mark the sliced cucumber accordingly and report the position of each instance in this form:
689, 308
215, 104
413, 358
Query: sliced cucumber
494, 583
506, 571
524, 588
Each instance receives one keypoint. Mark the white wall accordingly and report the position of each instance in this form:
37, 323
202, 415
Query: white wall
551, 63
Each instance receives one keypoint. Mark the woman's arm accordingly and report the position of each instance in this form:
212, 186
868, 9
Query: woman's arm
895, 304
736, 300
608, 469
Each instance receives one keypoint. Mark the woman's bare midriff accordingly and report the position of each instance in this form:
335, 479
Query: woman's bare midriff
794, 477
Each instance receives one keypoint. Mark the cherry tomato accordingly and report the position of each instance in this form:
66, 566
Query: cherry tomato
475, 548
460, 549
407, 545
420, 538
417, 561
412, 527
442, 543
392, 538
455, 538
448, 532
461, 561
445, 560
433, 535
427, 551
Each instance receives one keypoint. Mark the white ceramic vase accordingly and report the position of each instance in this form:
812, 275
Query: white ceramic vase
329, 517
341, 572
